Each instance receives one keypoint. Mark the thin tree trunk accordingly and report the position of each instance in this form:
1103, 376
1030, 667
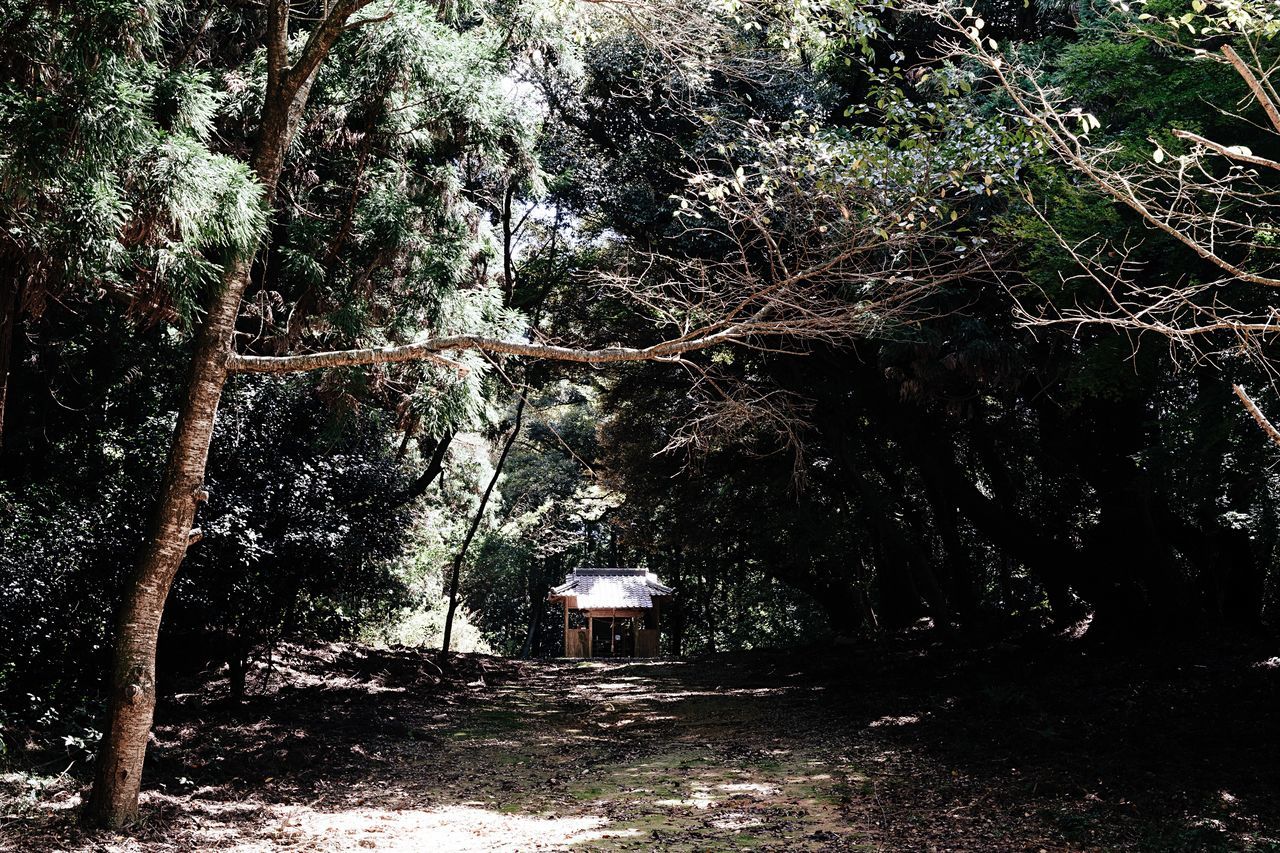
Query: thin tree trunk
708, 612
471, 532
409, 429
537, 604
9, 303
508, 264
428, 476
113, 802
677, 612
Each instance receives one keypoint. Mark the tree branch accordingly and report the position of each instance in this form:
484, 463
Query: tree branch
1044, 115
1225, 151
1252, 407
471, 533
1264, 100
322, 38
430, 349
434, 466
364, 22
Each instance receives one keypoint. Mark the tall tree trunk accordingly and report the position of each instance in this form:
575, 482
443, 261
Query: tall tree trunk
961, 582
677, 612
9, 306
708, 609
902, 549
471, 532
113, 802
537, 605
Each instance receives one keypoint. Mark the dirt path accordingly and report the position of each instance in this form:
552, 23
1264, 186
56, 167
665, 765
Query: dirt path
553, 756
1041, 749
609, 756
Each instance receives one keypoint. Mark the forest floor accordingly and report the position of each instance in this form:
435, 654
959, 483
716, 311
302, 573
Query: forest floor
1047, 746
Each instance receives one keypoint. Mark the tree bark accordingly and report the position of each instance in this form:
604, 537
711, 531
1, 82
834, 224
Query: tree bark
429, 350
113, 802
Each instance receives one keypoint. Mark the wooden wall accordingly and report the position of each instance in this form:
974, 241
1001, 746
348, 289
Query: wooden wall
575, 643
647, 643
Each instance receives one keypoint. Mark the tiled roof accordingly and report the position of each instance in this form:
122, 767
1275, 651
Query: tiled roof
611, 588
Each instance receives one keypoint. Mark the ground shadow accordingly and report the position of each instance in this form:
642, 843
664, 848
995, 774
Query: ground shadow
1049, 745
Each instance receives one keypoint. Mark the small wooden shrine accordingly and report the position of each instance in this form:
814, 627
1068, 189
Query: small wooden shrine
611, 612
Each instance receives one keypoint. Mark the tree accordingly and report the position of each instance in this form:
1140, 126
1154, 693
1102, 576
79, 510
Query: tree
114, 801
109, 181
709, 304
1214, 197
980, 473
793, 206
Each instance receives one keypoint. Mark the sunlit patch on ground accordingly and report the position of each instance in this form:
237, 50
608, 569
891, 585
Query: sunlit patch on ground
816, 777
448, 829
758, 789
698, 800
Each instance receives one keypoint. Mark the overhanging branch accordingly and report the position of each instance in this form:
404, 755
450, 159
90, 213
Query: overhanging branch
430, 350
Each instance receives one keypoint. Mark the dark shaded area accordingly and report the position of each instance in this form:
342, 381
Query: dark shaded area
1051, 743
318, 721
1168, 747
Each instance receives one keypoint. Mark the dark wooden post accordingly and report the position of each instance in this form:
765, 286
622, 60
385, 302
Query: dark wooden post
565, 602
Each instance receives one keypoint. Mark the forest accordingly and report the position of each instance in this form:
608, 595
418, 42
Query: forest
922, 352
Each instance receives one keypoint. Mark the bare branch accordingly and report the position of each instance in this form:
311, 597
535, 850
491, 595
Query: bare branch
1264, 100
1233, 153
372, 19
1215, 199
1252, 407
429, 349
1166, 200
321, 41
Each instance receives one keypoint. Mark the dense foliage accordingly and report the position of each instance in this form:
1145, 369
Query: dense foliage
539, 170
